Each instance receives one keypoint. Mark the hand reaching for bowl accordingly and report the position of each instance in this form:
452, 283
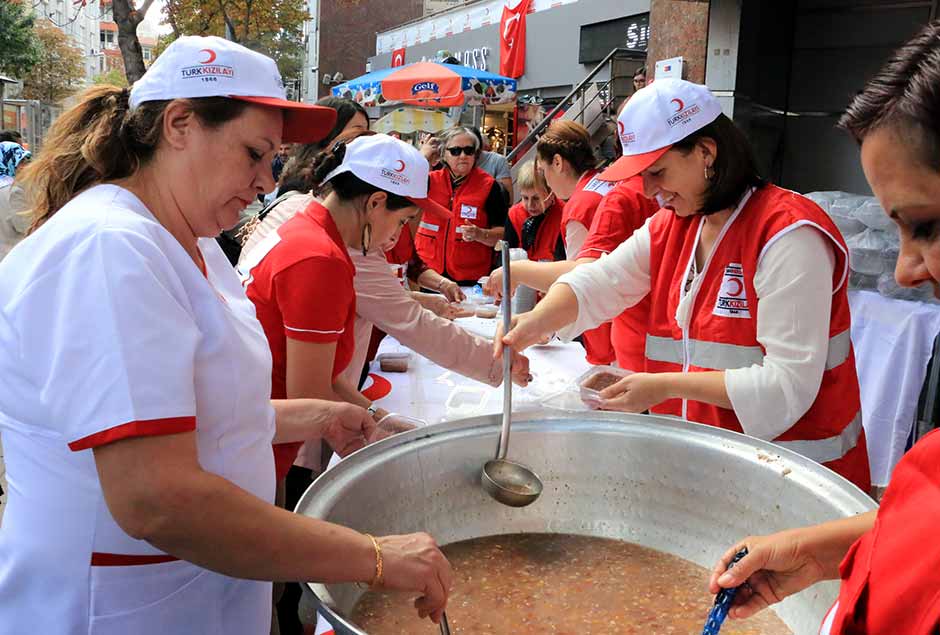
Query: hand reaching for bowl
391, 424
635, 393
494, 286
440, 305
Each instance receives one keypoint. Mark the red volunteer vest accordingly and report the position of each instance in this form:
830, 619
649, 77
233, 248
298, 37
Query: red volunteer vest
891, 575
621, 212
437, 241
544, 248
722, 331
583, 203
581, 207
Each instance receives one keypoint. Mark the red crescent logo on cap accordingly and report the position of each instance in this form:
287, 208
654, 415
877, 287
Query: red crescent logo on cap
211, 57
402, 164
620, 127
678, 102
738, 290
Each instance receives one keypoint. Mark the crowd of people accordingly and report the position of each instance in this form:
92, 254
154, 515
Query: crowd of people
173, 393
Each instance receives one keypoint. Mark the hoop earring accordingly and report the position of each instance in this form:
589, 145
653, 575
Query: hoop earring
709, 173
366, 238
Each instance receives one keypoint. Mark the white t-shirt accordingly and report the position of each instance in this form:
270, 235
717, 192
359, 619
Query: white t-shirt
109, 330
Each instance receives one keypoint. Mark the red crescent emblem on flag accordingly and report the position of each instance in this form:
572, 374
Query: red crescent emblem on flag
211, 57
679, 105
740, 287
402, 164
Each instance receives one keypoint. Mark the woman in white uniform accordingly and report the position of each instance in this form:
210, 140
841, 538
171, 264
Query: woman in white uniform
135, 411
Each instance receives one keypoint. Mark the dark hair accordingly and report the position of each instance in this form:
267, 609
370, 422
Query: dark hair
100, 139
904, 94
735, 168
11, 135
345, 109
346, 185
639, 71
572, 141
298, 171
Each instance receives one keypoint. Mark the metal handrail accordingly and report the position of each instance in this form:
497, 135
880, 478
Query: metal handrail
535, 132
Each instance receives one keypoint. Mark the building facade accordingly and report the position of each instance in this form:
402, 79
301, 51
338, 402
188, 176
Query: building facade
340, 37
109, 54
77, 20
785, 71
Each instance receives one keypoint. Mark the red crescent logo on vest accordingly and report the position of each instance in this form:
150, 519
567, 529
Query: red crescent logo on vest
211, 57
740, 287
620, 127
678, 102
402, 164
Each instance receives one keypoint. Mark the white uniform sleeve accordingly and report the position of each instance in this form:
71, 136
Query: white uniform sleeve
109, 338
607, 286
575, 235
794, 284
382, 300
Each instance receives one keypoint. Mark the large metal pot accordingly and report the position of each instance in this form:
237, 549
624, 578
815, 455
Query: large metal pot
687, 489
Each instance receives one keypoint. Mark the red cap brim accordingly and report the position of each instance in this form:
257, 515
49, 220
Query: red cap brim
303, 123
629, 166
427, 205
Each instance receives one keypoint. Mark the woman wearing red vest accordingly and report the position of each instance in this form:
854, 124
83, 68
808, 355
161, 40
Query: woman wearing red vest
749, 317
535, 222
459, 244
566, 158
890, 559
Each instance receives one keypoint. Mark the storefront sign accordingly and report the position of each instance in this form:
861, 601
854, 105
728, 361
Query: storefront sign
597, 40
477, 58
457, 20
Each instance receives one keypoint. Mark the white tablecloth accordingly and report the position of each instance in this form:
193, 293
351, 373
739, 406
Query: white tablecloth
893, 343
434, 394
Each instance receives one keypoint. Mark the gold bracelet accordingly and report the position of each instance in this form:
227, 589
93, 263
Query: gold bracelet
377, 581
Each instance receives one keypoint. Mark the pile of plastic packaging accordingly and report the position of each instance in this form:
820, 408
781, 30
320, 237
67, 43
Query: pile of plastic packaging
873, 244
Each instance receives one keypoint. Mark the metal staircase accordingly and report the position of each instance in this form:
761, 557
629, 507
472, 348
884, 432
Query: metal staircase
590, 103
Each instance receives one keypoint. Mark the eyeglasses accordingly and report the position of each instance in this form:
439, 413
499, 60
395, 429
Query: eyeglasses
468, 150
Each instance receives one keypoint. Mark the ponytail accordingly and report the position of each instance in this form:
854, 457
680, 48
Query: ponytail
99, 140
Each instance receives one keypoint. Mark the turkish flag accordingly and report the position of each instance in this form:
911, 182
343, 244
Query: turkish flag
398, 57
512, 39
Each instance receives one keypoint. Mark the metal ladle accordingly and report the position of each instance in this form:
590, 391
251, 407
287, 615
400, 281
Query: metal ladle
508, 482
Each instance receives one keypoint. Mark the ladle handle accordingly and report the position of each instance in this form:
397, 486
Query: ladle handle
503, 448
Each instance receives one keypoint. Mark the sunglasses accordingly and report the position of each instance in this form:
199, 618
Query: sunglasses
468, 150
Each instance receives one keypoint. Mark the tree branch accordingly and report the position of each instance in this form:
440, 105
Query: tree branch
146, 7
